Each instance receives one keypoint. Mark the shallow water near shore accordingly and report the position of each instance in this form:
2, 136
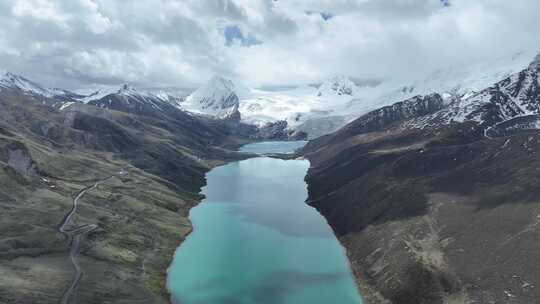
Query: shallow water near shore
256, 241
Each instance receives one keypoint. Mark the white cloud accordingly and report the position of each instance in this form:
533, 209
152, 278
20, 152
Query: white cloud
172, 42
95, 21
42, 10
106, 65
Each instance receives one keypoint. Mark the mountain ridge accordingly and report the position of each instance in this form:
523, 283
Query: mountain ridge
304, 107
438, 206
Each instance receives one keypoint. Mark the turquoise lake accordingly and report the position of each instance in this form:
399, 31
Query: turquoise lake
256, 241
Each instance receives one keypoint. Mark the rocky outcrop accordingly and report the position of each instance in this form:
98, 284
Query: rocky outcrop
20, 161
278, 131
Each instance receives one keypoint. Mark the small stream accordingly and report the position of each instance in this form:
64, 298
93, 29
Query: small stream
255, 241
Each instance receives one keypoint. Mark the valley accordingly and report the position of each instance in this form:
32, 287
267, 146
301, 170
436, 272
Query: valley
401, 189
430, 196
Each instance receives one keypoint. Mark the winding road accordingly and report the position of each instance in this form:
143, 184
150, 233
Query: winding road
74, 236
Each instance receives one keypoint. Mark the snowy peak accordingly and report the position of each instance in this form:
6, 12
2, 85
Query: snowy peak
87, 97
99, 94
216, 89
12, 81
338, 86
130, 100
218, 82
127, 88
125, 91
217, 97
130, 91
515, 96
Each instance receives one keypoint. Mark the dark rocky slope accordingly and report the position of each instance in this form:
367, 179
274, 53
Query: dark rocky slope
278, 131
378, 119
47, 155
434, 207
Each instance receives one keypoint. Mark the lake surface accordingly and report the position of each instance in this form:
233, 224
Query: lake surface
255, 241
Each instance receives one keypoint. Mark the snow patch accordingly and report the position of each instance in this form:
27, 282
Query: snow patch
66, 105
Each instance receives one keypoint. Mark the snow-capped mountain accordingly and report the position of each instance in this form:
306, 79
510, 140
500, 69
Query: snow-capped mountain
9, 80
338, 86
128, 99
172, 96
317, 111
339, 100
218, 97
12, 81
298, 105
379, 119
515, 96
262, 107
413, 107
87, 95
455, 81
509, 106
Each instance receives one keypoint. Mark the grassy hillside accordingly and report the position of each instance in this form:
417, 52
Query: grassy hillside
47, 156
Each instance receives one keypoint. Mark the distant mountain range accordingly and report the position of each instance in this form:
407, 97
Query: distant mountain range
314, 110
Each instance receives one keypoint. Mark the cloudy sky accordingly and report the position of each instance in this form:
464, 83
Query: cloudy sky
182, 43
